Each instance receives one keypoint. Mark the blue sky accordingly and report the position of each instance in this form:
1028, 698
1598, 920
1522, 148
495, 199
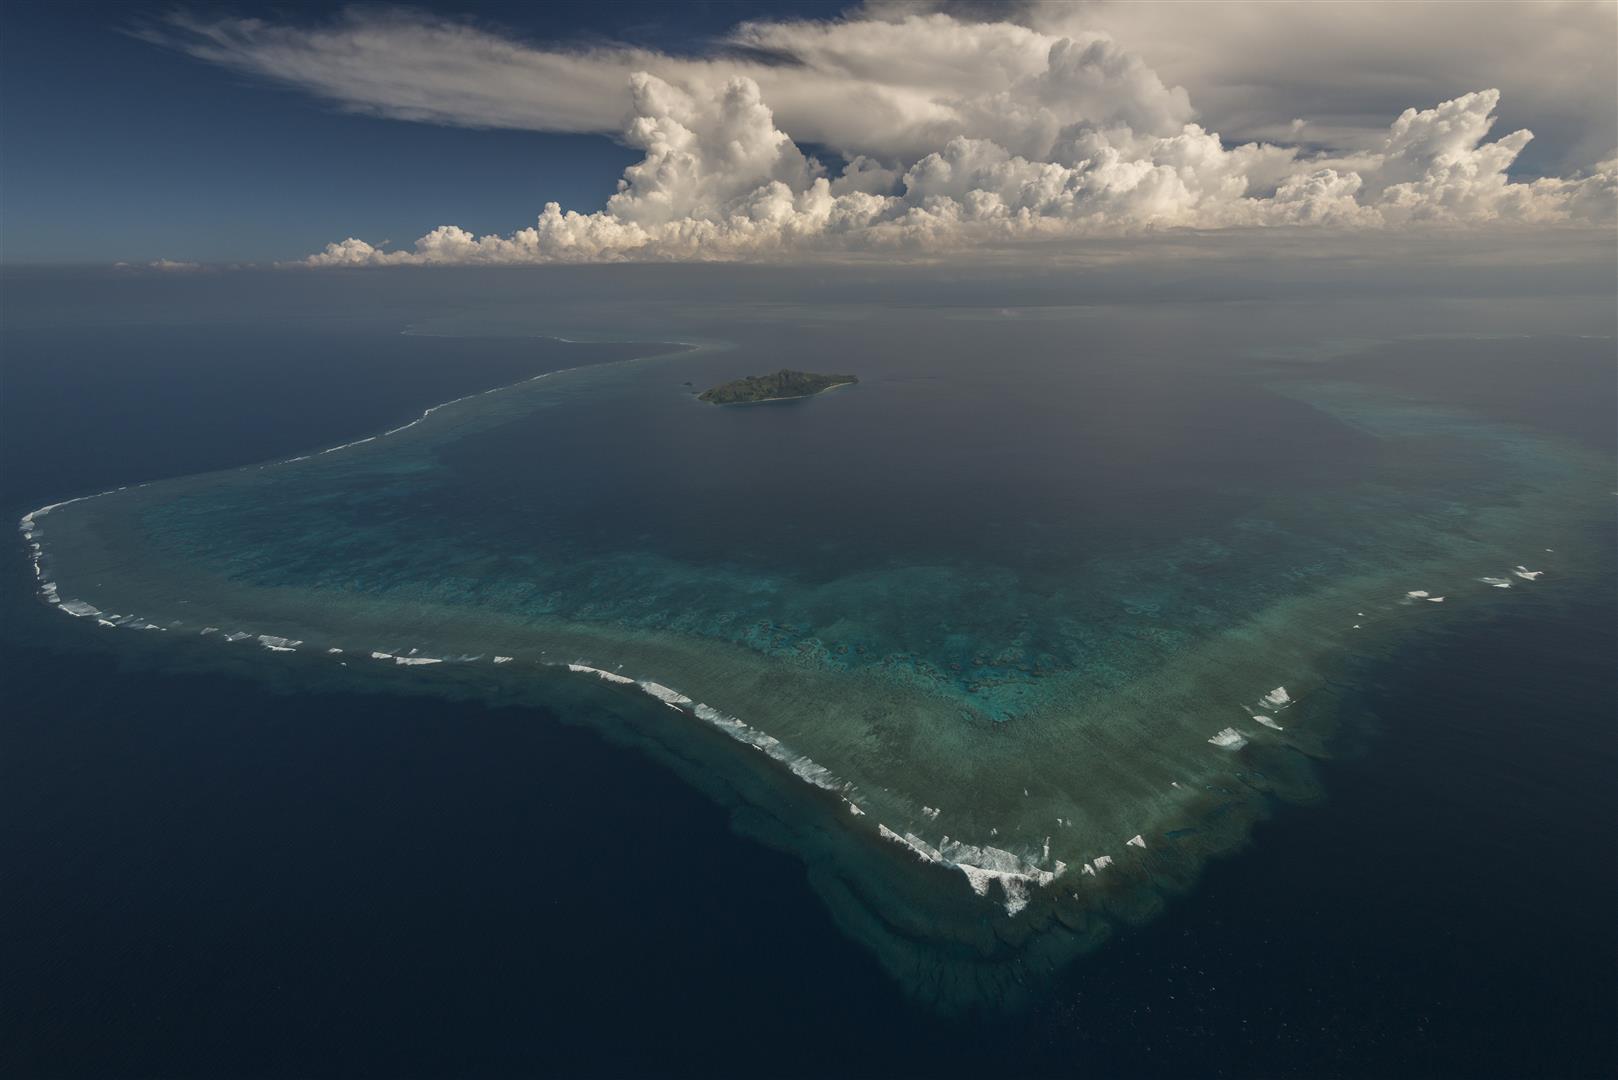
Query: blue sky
273, 132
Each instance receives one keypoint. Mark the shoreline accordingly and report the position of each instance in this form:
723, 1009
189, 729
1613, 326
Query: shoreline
794, 397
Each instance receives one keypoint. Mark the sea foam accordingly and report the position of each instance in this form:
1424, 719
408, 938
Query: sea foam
982, 866
609, 676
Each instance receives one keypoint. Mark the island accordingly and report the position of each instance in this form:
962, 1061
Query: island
782, 385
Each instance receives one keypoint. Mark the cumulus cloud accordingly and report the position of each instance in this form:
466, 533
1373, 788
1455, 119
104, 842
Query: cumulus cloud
721, 181
887, 90
941, 132
1343, 67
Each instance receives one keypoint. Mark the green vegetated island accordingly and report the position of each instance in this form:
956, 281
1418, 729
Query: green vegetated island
780, 386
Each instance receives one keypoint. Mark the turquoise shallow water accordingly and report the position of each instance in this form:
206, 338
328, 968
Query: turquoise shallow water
1016, 598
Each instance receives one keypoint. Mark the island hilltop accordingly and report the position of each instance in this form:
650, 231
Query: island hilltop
777, 387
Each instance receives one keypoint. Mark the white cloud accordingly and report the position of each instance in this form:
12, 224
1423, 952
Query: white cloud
721, 181
953, 133
703, 151
411, 67
885, 90
1345, 66
899, 82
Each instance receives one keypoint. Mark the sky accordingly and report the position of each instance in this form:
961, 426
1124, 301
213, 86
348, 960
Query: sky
324, 134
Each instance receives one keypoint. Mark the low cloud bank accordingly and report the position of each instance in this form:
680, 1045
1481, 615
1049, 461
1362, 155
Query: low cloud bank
721, 181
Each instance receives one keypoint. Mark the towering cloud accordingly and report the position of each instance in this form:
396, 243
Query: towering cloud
938, 132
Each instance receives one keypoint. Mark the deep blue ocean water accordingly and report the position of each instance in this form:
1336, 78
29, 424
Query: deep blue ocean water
215, 876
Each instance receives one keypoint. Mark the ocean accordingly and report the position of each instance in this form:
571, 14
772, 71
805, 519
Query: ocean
250, 863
